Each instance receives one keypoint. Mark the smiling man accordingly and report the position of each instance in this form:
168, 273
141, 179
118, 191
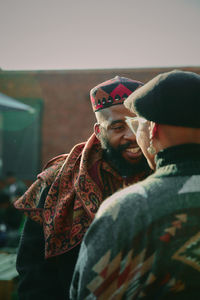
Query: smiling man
63, 201
119, 144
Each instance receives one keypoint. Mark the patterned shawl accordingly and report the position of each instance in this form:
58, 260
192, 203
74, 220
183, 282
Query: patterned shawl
78, 183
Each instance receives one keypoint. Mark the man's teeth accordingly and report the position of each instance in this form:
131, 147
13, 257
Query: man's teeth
133, 150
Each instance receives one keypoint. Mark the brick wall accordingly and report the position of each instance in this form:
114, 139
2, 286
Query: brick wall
67, 117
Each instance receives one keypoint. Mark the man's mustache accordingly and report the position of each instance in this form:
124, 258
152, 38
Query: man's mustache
124, 146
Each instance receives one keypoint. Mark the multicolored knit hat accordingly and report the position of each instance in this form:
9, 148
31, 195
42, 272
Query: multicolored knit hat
112, 92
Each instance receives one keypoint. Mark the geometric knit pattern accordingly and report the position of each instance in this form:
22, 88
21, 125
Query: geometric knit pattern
144, 242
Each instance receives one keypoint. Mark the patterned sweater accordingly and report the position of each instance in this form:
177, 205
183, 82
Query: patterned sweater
145, 240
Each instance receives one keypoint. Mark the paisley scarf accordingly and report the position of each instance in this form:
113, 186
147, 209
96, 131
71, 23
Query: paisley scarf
78, 182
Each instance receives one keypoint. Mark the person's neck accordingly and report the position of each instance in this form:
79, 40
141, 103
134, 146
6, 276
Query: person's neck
172, 136
178, 154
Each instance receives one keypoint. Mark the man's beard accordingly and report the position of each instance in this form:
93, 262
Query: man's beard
119, 163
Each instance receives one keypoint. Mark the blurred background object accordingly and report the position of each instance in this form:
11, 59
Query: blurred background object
7, 103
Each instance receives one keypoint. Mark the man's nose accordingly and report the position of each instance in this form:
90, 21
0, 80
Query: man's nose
129, 135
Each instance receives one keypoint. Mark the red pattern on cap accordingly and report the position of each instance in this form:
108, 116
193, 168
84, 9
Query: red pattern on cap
112, 92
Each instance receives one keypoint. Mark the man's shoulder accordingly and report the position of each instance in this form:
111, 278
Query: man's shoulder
136, 195
52, 168
57, 160
137, 191
60, 159
123, 199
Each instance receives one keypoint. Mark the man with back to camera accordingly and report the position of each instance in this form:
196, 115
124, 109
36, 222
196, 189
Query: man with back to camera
152, 241
64, 199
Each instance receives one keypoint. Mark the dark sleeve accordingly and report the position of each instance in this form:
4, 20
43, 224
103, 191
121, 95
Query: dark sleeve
38, 278
41, 278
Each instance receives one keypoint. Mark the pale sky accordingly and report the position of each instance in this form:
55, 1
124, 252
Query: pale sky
96, 34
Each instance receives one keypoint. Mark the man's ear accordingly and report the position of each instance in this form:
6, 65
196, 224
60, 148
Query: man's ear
97, 130
154, 129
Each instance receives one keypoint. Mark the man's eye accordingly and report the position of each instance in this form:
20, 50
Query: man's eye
118, 127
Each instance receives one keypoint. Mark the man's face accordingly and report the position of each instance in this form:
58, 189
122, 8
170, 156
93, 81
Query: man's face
143, 140
115, 132
119, 142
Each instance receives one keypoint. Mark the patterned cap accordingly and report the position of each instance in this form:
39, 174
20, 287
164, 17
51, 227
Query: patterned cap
112, 92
